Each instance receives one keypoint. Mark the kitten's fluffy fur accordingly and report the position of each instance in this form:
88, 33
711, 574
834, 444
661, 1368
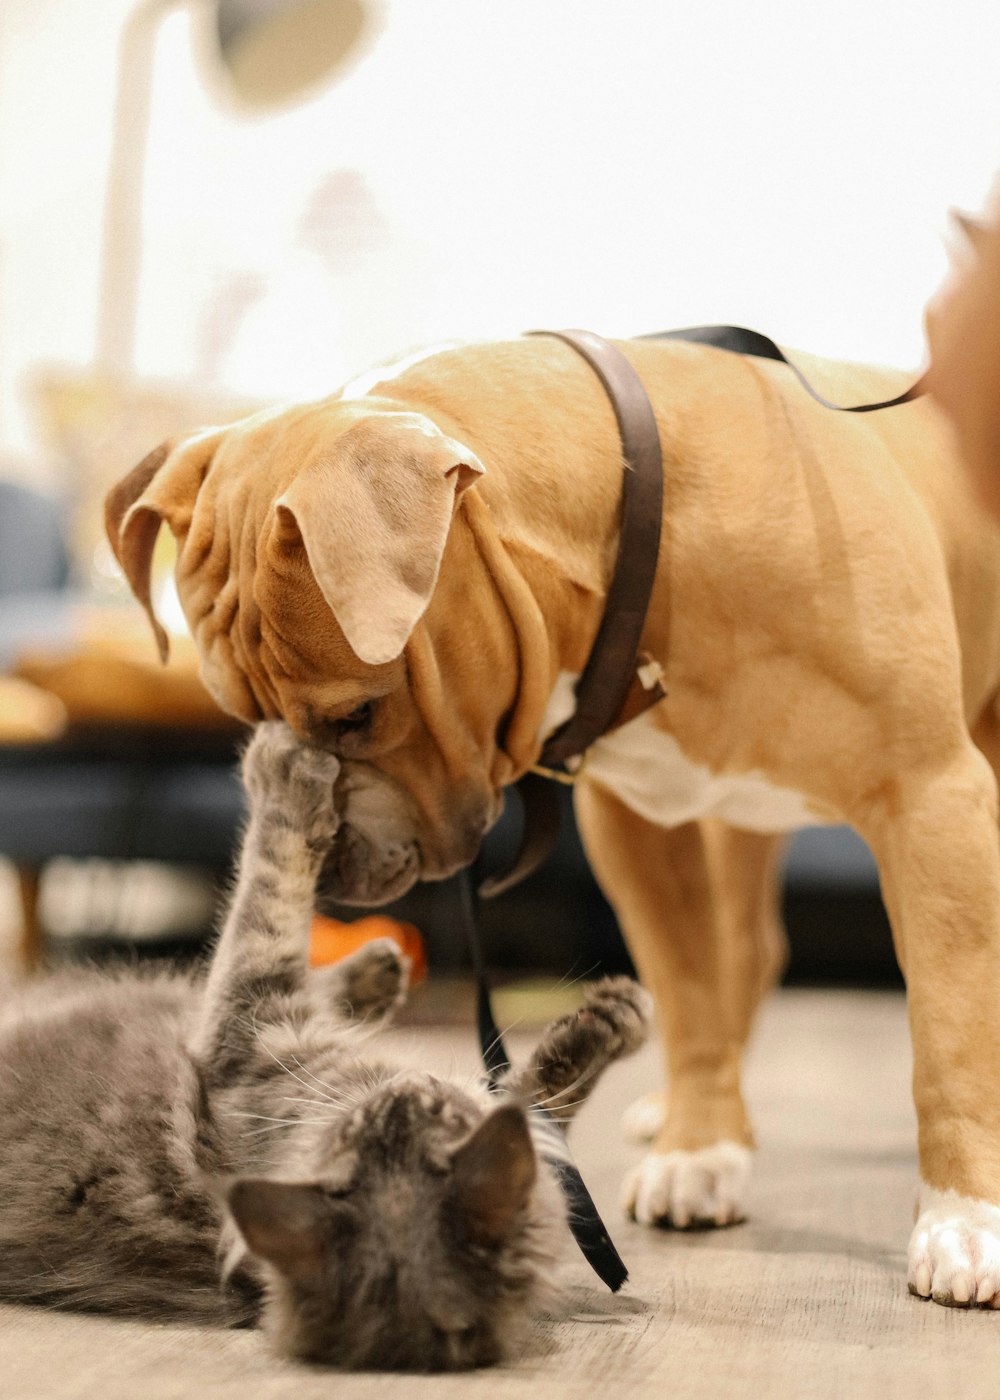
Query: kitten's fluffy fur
223, 1150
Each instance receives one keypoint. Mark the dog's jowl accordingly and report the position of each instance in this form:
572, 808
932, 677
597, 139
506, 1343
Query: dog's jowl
409, 574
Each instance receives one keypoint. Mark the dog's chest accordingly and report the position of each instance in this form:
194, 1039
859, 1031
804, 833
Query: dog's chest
647, 769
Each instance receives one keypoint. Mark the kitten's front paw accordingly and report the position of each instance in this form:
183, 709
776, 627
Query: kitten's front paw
293, 780
954, 1254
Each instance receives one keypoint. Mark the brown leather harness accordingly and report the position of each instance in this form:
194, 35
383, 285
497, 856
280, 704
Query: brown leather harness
618, 683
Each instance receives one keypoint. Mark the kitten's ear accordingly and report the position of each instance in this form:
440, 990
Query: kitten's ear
285, 1222
494, 1171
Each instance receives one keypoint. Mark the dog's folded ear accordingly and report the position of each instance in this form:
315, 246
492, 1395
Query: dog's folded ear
161, 488
132, 532
373, 513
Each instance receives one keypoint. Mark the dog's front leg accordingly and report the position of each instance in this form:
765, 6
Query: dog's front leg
935, 837
661, 884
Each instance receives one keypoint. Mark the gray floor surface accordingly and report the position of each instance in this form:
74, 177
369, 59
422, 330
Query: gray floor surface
808, 1299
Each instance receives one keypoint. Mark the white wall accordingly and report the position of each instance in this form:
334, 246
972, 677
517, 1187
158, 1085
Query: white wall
627, 165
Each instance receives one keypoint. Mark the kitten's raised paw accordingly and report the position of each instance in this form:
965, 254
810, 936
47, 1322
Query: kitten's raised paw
625, 1007
576, 1049
293, 780
369, 984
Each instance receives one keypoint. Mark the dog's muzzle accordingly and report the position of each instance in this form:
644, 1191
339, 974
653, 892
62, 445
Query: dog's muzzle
357, 871
383, 846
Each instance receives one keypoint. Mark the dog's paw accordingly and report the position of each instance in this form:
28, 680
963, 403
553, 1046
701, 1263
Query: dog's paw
954, 1254
690, 1189
644, 1118
291, 781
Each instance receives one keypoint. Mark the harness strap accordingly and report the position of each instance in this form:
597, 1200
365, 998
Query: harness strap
607, 689
607, 677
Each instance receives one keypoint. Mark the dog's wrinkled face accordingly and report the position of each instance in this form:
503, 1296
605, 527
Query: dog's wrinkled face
311, 548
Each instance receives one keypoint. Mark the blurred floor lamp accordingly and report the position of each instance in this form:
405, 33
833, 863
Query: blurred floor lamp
272, 50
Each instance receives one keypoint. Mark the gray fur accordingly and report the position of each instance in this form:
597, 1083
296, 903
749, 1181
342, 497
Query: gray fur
228, 1149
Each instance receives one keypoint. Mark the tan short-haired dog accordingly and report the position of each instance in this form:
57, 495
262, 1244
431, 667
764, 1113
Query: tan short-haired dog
410, 570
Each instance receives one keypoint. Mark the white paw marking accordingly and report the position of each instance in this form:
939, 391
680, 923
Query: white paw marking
707, 1187
644, 1118
954, 1253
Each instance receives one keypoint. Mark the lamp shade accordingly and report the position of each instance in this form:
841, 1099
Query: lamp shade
276, 49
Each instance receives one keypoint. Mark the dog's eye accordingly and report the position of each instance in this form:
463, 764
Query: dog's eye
332, 732
355, 719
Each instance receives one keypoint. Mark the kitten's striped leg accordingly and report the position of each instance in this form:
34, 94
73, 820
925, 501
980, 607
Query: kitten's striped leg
260, 963
575, 1050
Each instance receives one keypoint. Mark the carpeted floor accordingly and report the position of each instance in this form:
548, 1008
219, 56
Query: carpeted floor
807, 1300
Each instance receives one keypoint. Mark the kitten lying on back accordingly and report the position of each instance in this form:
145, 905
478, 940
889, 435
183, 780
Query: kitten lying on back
227, 1150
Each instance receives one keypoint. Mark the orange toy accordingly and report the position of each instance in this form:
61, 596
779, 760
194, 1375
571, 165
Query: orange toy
330, 940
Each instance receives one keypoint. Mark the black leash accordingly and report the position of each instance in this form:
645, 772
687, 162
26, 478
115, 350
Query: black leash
588, 1228
742, 341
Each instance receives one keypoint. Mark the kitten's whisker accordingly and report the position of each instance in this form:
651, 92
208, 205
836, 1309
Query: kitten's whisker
264, 1117
541, 1108
280, 1123
553, 1116
310, 1103
280, 1063
512, 1025
582, 1078
327, 1091
568, 980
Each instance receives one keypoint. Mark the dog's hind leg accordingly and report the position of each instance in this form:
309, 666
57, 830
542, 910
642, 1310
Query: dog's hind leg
744, 879
705, 983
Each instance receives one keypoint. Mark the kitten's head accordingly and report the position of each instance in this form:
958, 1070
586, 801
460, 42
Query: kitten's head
422, 1246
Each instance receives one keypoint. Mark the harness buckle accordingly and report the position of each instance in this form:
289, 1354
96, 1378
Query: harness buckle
568, 779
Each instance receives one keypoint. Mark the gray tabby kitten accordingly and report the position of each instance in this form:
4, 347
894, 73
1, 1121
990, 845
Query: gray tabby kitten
229, 1150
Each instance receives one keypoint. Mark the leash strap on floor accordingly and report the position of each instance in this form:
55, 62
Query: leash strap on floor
582, 1215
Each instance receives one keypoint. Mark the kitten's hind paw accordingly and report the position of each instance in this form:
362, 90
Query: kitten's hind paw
370, 984
293, 781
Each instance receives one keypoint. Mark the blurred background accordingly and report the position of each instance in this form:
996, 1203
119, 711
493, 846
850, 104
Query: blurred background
209, 206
